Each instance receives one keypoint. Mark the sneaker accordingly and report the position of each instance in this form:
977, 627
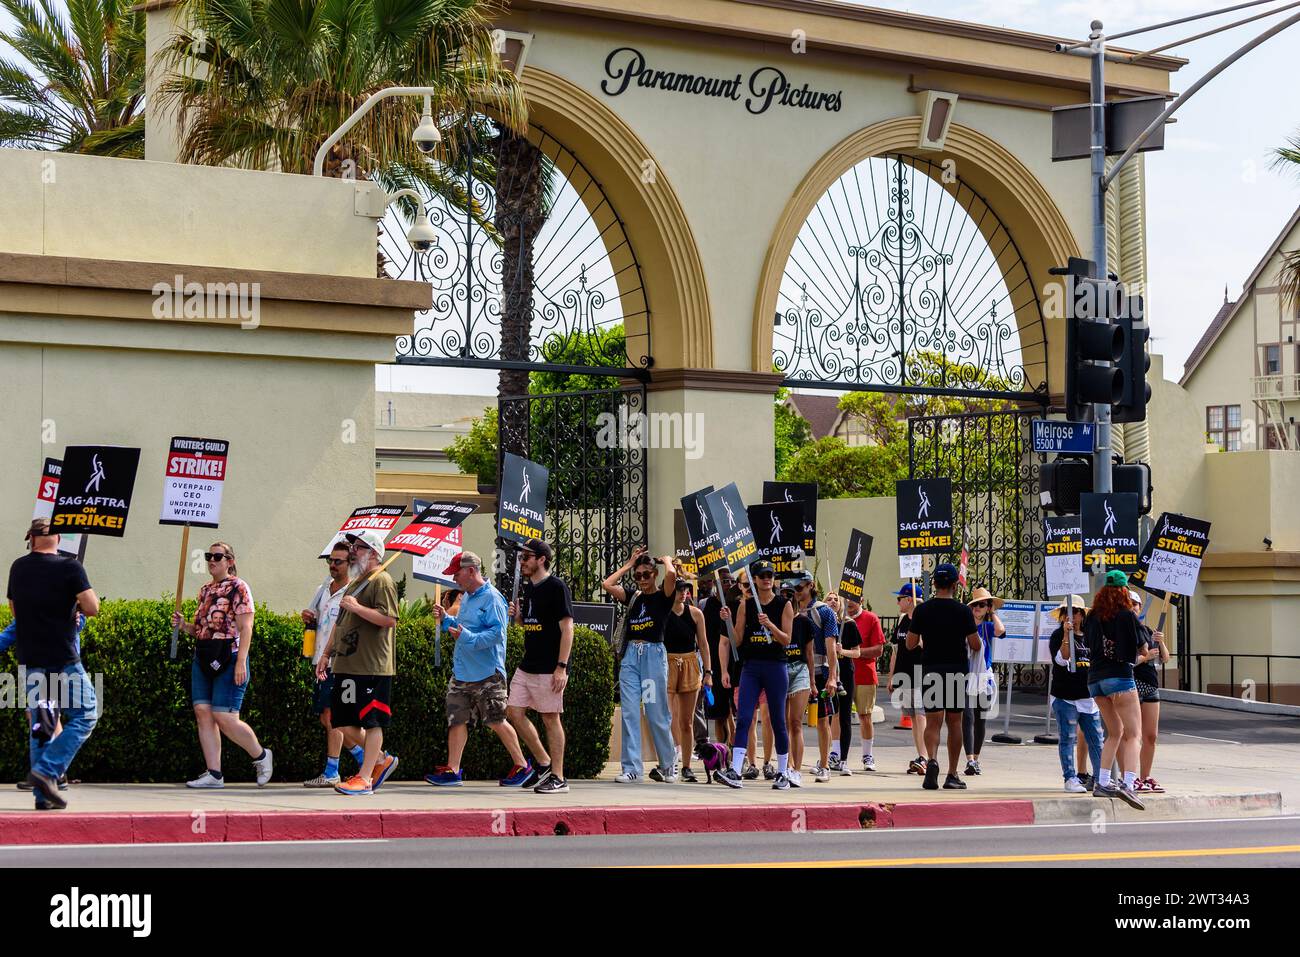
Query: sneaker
384, 769
954, 783
729, 777
795, 778
1087, 780
519, 776
206, 780
751, 773
821, 774
543, 772
628, 777
531, 779
869, 763
1100, 790
972, 768
354, 785
63, 782
1075, 786
1139, 786
689, 776
552, 785
769, 772
321, 781
834, 762
46, 788
931, 782
781, 783
663, 775
263, 768
1152, 785
917, 765
445, 777
1129, 798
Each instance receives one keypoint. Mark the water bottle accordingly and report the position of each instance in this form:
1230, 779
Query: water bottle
708, 695
308, 642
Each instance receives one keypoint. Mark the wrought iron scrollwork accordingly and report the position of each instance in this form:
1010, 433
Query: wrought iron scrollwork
903, 281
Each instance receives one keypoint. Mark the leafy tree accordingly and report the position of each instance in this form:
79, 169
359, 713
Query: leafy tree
792, 432
475, 452
79, 85
1288, 157
847, 471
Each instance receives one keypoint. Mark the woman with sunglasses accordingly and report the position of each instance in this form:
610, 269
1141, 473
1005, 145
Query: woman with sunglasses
980, 685
644, 663
219, 674
689, 668
1114, 638
761, 638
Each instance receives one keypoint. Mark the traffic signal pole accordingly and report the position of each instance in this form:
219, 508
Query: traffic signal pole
1101, 480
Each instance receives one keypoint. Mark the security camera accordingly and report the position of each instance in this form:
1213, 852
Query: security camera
426, 136
421, 236
1268, 544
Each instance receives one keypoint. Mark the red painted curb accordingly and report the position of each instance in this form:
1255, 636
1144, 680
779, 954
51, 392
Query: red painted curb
54, 827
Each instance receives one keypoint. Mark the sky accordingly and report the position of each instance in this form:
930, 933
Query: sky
1213, 206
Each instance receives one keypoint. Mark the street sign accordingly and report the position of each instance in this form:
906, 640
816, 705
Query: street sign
1075, 438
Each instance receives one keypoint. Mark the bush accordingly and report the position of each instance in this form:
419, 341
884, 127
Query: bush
146, 728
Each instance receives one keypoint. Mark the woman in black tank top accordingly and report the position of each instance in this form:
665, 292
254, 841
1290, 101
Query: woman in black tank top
689, 667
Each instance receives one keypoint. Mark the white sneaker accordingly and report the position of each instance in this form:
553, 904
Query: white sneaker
821, 774
845, 770
628, 777
1075, 786
868, 762
263, 769
795, 779
206, 780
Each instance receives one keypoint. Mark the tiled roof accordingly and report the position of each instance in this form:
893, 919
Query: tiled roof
821, 411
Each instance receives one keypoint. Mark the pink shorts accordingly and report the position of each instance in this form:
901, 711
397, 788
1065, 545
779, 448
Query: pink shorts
534, 691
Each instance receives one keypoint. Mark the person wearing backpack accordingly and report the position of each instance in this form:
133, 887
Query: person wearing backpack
219, 674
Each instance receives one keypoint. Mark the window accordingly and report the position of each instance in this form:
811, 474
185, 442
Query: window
1272, 360
1223, 426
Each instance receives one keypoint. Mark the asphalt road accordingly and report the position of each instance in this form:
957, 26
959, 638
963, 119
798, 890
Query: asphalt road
1243, 842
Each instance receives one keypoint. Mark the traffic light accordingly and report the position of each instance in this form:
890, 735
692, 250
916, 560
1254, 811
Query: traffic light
1090, 338
1134, 364
1064, 480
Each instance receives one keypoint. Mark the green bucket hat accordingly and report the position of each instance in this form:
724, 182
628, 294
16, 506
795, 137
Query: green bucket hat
1117, 578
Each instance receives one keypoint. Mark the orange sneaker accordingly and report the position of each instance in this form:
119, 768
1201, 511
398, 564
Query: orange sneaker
354, 785
384, 768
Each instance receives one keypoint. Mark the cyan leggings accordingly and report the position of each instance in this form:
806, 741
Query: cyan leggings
755, 677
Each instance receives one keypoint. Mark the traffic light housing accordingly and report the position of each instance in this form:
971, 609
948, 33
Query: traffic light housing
1089, 339
1063, 481
1134, 364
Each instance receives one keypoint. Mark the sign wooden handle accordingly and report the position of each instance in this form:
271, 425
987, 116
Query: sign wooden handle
180, 587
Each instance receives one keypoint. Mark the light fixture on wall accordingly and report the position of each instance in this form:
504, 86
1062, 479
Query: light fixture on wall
936, 116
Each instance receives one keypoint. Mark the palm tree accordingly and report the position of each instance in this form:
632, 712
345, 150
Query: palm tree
260, 84
79, 86
1288, 157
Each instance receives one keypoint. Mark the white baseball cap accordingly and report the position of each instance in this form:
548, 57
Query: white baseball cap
370, 538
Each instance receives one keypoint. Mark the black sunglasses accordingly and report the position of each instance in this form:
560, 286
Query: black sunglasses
336, 561
214, 556
642, 576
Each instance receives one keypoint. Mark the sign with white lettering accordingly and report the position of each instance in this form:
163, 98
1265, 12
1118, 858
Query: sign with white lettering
1077, 438
1110, 524
521, 514
94, 494
46, 493
193, 480
924, 516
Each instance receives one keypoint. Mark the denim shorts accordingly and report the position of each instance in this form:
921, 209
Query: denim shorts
220, 692
1109, 686
798, 678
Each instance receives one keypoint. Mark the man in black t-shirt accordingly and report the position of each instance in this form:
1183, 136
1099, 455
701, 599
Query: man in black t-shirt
46, 590
948, 628
904, 680
545, 611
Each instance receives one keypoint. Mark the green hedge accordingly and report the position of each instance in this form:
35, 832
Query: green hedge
146, 729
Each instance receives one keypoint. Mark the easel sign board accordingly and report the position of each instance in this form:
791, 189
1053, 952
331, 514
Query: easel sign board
46, 493
1024, 621
378, 518
1176, 558
193, 480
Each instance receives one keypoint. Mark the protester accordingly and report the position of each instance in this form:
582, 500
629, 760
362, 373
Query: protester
826, 672
1072, 704
751, 772
948, 628
761, 642
545, 612
362, 651
46, 590
477, 689
719, 653
219, 674
1114, 640
799, 693
689, 669
1148, 688
904, 681
861, 643
644, 665
981, 687
321, 614
8, 637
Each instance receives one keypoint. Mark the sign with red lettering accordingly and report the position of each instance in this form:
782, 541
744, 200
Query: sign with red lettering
193, 479
46, 495
379, 518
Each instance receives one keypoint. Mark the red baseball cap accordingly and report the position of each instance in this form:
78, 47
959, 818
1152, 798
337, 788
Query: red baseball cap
463, 560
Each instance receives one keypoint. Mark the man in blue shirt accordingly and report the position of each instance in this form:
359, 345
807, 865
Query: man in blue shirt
477, 688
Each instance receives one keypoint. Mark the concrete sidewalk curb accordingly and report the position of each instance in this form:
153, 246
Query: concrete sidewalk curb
55, 827
1229, 704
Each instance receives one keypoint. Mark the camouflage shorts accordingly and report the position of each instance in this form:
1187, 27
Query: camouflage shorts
485, 700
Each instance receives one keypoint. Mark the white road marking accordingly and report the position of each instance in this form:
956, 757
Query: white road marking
1180, 734
1007, 827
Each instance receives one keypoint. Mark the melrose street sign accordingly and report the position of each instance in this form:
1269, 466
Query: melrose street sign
765, 86
1075, 437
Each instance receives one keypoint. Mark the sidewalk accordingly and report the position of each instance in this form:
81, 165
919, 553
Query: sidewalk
1021, 785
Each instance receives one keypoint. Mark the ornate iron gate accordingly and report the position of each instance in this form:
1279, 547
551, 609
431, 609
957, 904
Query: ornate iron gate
596, 503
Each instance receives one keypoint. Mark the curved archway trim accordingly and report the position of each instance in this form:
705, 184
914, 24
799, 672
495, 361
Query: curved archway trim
1017, 196
650, 212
